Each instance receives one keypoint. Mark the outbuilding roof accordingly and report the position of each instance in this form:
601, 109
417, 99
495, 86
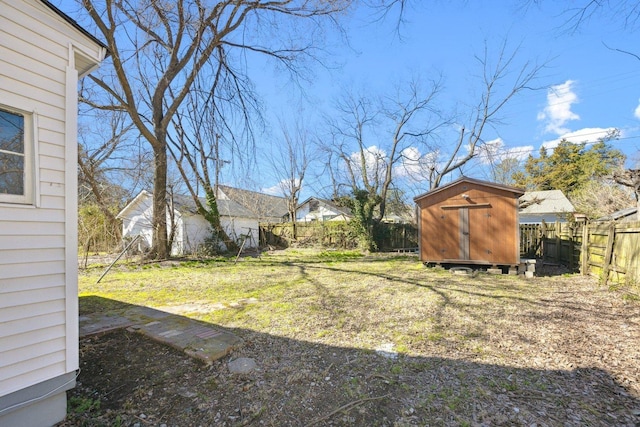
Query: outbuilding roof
226, 207
515, 190
263, 206
232, 202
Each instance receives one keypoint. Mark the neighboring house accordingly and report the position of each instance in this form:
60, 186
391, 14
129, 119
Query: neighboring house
239, 218
315, 209
406, 215
43, 54
469, 222
550, 206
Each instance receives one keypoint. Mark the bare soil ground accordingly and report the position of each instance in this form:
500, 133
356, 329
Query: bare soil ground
552, 351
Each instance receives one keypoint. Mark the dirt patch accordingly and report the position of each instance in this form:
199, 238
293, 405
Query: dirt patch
554, 351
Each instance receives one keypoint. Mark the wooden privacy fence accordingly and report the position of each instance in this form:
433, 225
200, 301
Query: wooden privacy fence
333, 234
612, 251
336, 234
530, 241
557, 242
607, 249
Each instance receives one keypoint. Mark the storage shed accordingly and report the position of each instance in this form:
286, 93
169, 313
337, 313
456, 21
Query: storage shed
469, 222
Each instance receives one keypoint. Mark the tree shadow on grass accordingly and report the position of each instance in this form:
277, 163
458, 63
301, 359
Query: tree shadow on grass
141, 382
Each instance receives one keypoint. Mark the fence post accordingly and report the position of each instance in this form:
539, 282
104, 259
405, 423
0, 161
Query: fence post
543, 236
404, 236
584, 255
558, 242
570, 254
608, 253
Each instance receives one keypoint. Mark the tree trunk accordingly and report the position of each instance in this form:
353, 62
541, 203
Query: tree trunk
160, 246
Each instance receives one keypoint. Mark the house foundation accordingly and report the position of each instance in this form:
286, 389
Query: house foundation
41, 405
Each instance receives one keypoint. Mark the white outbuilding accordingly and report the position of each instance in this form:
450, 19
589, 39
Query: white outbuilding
241, 212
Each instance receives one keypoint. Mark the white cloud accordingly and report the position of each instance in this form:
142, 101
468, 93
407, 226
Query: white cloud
415, 165
375, 162
494, 151
558, 112
282, 188
410, 164
275, 190
587, 135
636, 112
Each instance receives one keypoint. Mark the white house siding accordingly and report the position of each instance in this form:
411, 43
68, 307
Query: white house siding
322, 213
196, 230
178, 245
237, 228
138, 220
38, 289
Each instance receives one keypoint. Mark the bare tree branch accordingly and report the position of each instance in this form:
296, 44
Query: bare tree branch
158, 52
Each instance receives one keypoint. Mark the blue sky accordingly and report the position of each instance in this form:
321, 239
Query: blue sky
585, 89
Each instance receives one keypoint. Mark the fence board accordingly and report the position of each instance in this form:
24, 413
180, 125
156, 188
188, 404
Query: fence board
614, 252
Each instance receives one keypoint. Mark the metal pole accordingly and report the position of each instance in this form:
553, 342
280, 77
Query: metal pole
119, 256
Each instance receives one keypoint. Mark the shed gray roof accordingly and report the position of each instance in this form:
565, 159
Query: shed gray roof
543, 202
232, 202
615, 216
262, 206
226, 207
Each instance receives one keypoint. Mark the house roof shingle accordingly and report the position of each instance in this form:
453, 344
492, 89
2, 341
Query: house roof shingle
232, 202
262, 206
548, 201
226, 207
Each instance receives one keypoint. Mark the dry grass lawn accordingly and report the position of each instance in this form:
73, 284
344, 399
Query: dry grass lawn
346, 339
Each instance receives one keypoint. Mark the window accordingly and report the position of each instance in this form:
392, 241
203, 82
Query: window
15, 157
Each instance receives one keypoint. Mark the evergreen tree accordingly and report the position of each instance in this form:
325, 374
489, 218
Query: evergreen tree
569, 167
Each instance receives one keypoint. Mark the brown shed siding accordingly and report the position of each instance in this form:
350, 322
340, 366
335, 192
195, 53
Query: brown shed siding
480, 228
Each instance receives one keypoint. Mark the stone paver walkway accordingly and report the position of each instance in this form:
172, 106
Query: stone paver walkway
195, 338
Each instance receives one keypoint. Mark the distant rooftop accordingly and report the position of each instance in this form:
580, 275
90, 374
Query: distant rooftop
548, 201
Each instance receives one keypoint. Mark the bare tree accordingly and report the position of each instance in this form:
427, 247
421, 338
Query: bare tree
630, 178
577, 14
158, 49
369, 143
290, 160
217, 123
500, 86
101, 162
600, 197
111, 169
